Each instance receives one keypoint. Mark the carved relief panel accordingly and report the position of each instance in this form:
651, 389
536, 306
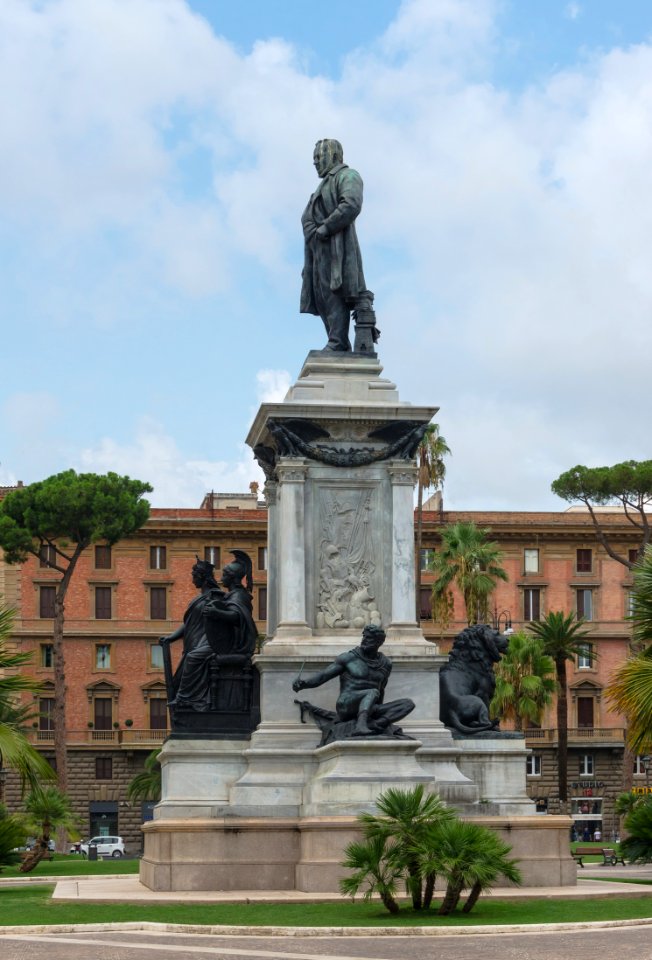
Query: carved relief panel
348, 558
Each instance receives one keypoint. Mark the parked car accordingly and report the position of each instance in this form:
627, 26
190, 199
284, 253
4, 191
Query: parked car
106, 846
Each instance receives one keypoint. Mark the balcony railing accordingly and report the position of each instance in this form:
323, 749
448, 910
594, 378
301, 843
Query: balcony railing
123, 736
612, 734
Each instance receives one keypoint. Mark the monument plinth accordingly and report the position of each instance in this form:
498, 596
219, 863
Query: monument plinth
276, 810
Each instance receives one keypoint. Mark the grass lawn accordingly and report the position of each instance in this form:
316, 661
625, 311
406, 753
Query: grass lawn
65, 865
32, 905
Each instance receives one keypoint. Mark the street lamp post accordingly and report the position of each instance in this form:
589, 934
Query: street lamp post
498, 617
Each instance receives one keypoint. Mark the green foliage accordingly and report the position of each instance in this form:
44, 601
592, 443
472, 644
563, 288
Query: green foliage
638, 845
471, 561
630, 689
562, 636
470, 856
15, 749
147, 784
525, 681
408, 817
47, 810
415, 837
625, 803
70, 507
375, 870
430, 458
628, 484
13, 833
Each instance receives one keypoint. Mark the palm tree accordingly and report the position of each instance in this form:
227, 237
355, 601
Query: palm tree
407, 819
147, 784
561, 636
630, 690
638, 845
472, 562
471, 856
13, 834
15, 749
48, 810
375, 867
431, 473
524, 681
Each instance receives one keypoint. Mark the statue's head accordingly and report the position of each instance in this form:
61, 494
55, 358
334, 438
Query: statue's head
327, 154
203, 574
373, 637
234, 572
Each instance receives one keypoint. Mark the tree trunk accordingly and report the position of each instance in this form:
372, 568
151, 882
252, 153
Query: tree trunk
59, 714
40, 851
389, 902
451, 898
472, 898
429, 889
562, 730
417, 559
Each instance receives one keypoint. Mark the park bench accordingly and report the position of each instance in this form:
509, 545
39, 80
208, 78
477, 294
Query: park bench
608, 854
611, 856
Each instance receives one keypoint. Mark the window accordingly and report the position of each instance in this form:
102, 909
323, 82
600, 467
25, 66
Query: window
157, 558
584, 561
426, 557
46, 602
532, 603
212, 554
425, 603
632, 555
102, 557
47, 656
585, 711
46, 713
158, 602
586, 765
47, 555
102, 656
262, 603
103, 713
639, 766
585, 603
103, 768
262, 558
158, 714
102, 603
156, 656
531, 560
629, 603
585, 657
533, 765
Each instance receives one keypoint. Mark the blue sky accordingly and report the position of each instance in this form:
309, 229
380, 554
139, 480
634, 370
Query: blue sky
156, 157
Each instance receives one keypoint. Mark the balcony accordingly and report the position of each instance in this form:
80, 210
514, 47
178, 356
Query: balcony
577, 736
125, 737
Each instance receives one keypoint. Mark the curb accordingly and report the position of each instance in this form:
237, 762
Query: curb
298, 932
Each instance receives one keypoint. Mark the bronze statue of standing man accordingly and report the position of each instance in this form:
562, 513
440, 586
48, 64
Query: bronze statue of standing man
333, 279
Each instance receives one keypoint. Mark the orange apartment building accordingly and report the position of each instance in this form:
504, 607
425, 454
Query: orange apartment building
124, 598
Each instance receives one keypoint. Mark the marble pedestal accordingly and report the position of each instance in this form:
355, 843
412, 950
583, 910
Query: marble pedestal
277, 811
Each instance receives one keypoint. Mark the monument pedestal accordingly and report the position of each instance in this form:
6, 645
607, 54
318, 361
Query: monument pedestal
276, 811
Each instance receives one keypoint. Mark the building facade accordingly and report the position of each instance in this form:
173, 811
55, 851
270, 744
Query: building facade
123, 598
554, 562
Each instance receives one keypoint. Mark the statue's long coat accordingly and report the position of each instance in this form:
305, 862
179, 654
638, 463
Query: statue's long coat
335, 203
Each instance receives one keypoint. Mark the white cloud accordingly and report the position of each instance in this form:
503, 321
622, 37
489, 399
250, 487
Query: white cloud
153, 456
572, 11
507, 235
272, 385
